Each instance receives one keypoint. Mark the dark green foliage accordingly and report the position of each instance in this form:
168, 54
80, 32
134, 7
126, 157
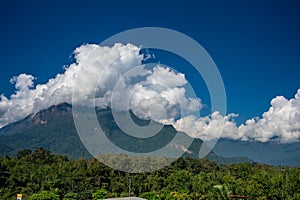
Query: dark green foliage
151, 196
71, 196
41, 175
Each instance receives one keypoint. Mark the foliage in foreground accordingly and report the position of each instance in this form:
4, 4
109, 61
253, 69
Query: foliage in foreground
40, 175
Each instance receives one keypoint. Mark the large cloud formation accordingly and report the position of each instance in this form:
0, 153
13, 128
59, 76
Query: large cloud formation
99, 74
280, 123
115, 76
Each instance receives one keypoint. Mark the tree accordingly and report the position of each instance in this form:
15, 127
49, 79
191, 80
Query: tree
41, 155
24, 153
41, 175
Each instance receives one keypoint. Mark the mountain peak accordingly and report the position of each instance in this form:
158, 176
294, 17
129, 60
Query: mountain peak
54, 129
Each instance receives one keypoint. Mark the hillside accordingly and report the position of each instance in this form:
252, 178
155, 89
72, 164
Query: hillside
54, 129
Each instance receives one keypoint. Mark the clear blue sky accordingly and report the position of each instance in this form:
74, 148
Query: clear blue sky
255, 44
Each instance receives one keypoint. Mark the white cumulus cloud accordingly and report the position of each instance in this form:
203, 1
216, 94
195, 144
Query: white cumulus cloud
280, 123
99, 73
115, 77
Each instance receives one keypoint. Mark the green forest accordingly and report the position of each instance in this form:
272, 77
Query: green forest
39, 175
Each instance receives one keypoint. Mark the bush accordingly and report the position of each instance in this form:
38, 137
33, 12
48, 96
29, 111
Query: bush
151, 196
100, 194
71, 196
44, 195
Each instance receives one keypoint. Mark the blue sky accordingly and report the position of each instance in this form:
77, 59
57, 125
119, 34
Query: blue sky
255, 44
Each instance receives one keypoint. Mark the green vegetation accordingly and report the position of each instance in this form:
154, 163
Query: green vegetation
54, 129
100, 194
41, 175
45, 195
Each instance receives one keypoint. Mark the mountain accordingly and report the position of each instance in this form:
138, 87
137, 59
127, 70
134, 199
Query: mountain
272, 153
54, 129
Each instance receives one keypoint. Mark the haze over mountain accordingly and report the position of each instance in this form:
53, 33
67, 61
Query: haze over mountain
273, 153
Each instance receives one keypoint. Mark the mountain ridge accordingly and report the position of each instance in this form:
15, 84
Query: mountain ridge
272, 153
54, 129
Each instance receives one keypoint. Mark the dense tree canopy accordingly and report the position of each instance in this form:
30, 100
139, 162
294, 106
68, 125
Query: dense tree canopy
40, 175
